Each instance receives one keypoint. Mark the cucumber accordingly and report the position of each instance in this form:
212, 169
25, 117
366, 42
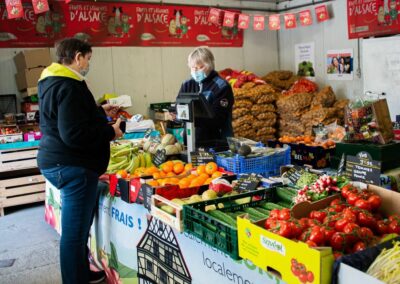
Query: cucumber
285, 204
284, 195
263, 211
235, 214
254, 212
223, 217
271, 206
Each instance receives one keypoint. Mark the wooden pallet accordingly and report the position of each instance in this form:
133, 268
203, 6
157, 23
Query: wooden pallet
18, 159
22, 190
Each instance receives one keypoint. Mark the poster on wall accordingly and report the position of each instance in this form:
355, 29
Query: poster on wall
367, 18
339, 64
305, 60
108, 24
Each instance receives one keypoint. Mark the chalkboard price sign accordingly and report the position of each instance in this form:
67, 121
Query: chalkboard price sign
294, 174
160, 157
201, 157
248, 182
362, 168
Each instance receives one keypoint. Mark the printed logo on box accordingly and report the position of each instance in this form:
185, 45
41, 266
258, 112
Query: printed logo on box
273, 245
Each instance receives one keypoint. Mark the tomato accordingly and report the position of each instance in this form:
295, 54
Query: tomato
352, 198
359, 246
336, 201
303, 223
394, 217
341, 223
375, 201
366, 234
338, 241
394, 227
293, 261
296, 229
339, 207
365, 194
317, 236
328, 232
350, 216
318, 215
366, 219
294, 270
351, 228
363, 204
382, 227
282, 228
274, 213
346, 190
284, 214
331, 220
337, 254
311, 244
313, 222
310, 276
271, 223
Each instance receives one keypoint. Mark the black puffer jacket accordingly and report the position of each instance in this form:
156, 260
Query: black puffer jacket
75, 131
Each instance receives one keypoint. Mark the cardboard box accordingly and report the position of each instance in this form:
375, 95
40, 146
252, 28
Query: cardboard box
165, 116
28, 78
32, 58
29, 92
29, 107
348, 274
122, 101
11, 138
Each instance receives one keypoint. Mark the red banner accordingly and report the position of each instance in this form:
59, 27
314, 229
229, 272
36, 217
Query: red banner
14, 9
258, 23
106, 24
243, 22
40, 6
290, 21
367, 18
305, 18
322, 13
274, 22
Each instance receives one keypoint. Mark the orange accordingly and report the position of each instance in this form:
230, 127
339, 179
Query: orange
216, 175
153, 183
196, 182
166, 168
122, 174
170, 174
162, 181
178, 168
201, 169
208, 181
203, 177
188, 167
162, 174
191, 177
174, 180
157, 175
169, 163
211, 168
184, 183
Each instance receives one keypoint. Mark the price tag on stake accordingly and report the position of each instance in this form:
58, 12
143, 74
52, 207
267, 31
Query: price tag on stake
160, 157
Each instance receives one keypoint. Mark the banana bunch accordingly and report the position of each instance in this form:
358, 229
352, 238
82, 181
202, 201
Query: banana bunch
127, 157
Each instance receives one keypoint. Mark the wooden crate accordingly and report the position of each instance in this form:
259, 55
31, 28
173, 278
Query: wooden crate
18, 159
22, 190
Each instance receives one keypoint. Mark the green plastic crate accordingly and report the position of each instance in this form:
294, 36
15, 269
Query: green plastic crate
214, 232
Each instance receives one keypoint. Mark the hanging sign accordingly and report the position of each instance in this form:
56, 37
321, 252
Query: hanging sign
229, 19
367, 18
214, 16
14, 9
274, 22
305, 18
108, 24
290, 20
322, 13
258, 23
40, 6
243, 22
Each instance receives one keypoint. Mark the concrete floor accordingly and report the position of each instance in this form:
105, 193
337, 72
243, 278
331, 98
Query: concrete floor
26, 238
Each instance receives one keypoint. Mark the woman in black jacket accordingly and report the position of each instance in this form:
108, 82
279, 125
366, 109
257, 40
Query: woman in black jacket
74, 151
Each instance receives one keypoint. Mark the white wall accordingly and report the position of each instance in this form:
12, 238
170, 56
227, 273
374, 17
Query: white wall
331, 34
155, 74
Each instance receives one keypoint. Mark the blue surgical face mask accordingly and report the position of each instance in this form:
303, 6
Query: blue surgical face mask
198, 76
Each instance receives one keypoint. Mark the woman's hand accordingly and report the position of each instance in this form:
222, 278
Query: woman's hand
117, 130
110, 110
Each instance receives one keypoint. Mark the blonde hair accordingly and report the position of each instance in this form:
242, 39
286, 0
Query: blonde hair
202, 55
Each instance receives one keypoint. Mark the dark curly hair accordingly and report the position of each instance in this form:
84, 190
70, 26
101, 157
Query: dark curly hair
67, 48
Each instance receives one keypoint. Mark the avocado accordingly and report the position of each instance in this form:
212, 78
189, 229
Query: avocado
244, 150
